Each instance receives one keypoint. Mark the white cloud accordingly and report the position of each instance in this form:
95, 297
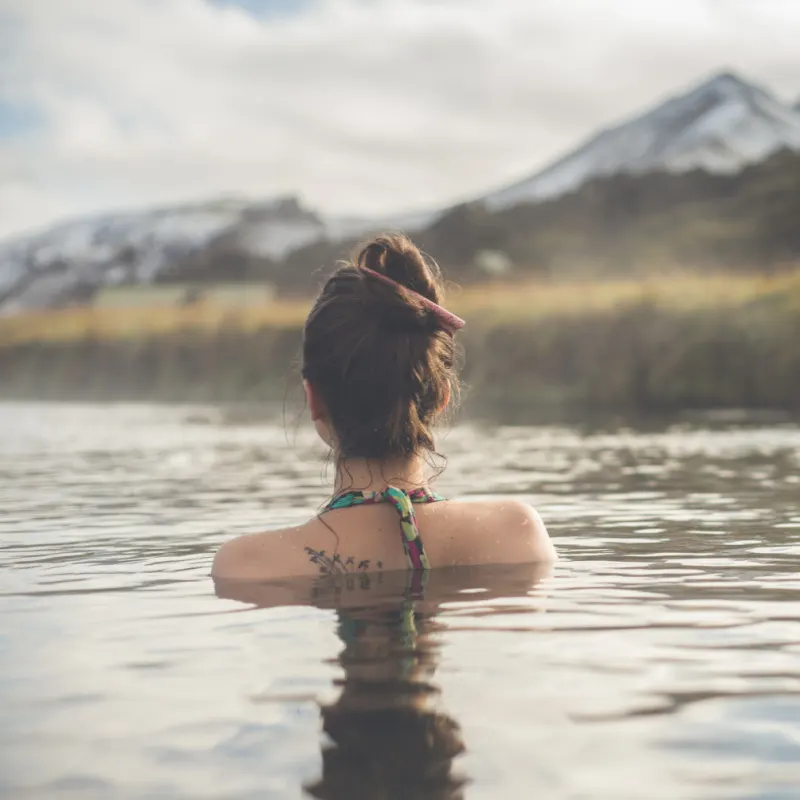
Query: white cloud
358, 106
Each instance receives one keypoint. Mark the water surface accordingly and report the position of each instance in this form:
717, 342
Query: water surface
659, 659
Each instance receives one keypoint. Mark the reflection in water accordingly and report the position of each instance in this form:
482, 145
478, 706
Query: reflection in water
387, 740
388, 736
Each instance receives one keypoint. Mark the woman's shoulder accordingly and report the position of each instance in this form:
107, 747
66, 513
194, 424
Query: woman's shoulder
509, 508
261, 556
502, 530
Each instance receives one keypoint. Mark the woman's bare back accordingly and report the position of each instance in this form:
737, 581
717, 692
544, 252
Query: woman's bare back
369, 538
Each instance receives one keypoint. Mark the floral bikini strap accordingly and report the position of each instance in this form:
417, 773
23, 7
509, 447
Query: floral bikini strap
403, 502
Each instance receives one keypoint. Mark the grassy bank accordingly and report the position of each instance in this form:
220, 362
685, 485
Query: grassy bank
671, 342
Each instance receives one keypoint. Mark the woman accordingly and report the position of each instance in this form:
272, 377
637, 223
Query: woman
379, 372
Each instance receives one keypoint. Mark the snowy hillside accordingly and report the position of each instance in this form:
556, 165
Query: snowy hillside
75, 257
71, 260
720, 125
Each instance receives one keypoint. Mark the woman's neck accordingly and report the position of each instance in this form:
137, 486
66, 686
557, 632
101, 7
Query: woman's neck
367, 475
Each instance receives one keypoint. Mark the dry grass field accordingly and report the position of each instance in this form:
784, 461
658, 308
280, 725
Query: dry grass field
482, 305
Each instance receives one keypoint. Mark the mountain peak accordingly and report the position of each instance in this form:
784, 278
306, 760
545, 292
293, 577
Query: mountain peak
726, 86
726, 79
720, 125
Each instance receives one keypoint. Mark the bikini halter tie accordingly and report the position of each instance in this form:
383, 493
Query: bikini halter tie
403, 502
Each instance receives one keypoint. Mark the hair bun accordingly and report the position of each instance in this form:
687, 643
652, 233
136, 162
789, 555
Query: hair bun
396, 257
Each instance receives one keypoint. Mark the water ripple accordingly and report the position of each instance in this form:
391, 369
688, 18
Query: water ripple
661, 652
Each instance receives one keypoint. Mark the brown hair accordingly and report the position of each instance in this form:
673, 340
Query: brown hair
379, 358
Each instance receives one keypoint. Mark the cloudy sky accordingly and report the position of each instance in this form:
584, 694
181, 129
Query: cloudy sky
357, 106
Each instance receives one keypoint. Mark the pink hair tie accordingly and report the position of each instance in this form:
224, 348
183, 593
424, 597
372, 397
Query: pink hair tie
449, 321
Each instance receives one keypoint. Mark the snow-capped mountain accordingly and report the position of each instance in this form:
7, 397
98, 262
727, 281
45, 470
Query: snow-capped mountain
51, 266
720, 126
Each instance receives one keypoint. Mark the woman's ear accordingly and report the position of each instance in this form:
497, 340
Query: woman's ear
314, 402
319, 414
443, 406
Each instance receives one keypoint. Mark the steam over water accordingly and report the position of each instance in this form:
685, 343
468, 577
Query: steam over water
660, 659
